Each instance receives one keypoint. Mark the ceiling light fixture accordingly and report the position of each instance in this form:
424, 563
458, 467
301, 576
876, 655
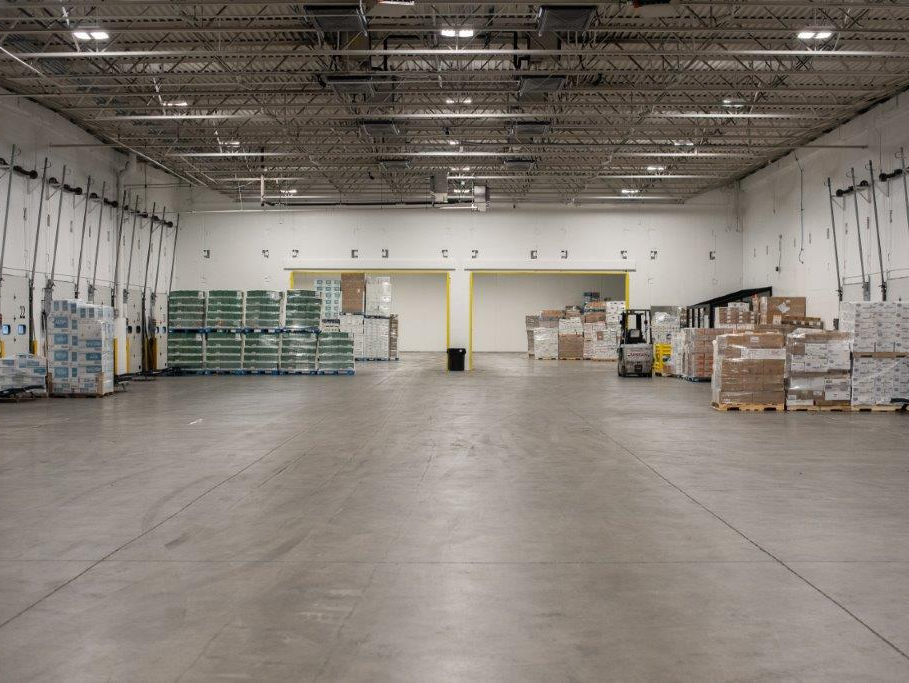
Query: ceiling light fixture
457, 33
177, 103
821, 33
683, 143
99, 35
453, 143
290, 191
91, 34
630, 193
656, 169
733, 102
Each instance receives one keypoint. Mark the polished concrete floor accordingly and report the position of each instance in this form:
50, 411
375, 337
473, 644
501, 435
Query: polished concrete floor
530, 521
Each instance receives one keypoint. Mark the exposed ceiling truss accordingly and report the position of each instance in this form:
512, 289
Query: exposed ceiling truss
660, 104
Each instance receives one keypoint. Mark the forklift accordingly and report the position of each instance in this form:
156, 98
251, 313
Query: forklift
635, 344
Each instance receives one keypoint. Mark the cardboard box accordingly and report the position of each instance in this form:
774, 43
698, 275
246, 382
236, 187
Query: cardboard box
571, 346
353, 292
749, 368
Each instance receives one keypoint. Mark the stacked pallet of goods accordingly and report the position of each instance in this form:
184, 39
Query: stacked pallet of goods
571, 336
329, 291
263, 309
574, 333
748, 371
224, 309
880, 352
80, 349
261, 351
186, 309
546, 336
22, 372
335, 353
531, 322
298, 352
818, 370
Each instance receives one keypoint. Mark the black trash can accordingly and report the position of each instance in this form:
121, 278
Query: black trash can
456, 358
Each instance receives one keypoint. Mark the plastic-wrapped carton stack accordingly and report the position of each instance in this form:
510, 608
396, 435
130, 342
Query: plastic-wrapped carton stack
697, 353
353, 324
375, 338
263, 309
378, 295
546, 343
748, 369
186, 350
261, 351
335, 352
329, 290
880, 350
224, 309
353, 292
664, 326
224, 351
599, 342
298, 351
571, 338
818, 368
530, 323
186, 309
302, 309
22, 371
80, 348
614, 310
393, 337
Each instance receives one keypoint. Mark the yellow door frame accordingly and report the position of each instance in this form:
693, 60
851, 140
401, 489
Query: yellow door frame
626, 274
390, 271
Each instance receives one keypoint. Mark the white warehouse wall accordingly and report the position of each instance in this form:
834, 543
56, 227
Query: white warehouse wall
500, 303
36, 132
682, 235
771, 214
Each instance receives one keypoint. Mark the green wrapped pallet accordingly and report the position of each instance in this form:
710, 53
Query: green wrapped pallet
263, 308
298, 351
224, 351
302, 309
224, 308
335, 352
186, 350
186, 308
261, 351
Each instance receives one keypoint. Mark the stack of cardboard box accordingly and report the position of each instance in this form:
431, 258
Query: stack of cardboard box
393, 337
779, 310
353, 292
732, 316
664, 326
353, 324
546, 342
571, 337
22, 371
378, 295
530, 323
599, 342
375, 338
224, 308
818, 368
186, 309
329, 291
748, 369
880, 350
695, 362
80, 348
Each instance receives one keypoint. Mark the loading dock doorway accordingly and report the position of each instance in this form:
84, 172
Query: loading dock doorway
501, 299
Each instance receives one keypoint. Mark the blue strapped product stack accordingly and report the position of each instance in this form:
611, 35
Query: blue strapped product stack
335, 353
80, 348
261, 351
186, 309
263, 309
186, 350
298, 352
224, 309
302, 310
224, 351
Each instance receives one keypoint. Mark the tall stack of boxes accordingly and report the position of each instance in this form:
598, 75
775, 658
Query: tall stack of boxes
353, 292
733, 316
393, 337
329, 291
224, 309
375, 338
880, 363
353, 325
378, 295
696, 362
599, 341
263, 309
818, 368
779, 310
748, 369
546, 342
80, 348
186, 309
571, 337
531, 322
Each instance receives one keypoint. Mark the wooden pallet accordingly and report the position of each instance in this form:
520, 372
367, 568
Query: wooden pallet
820, 409
749, 407
877, 409
602, 360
